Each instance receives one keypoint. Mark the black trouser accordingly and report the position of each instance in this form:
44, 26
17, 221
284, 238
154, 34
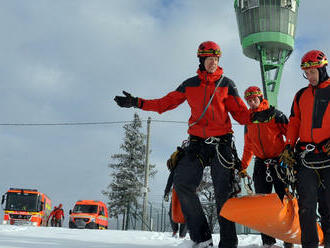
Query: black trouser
261, 185
311, 192
187, 177
58, 222
175, 226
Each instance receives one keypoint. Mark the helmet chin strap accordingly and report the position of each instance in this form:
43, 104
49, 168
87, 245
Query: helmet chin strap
323, 75
201, 65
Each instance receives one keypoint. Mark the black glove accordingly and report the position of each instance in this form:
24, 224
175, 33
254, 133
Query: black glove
166, 197
238, 164
288, 157
127, 101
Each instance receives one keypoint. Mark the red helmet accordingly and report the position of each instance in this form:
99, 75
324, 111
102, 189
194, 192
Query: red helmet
208, 48
313, 59
251, 92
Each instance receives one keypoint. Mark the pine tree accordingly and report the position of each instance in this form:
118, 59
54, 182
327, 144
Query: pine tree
207, 196
125, 190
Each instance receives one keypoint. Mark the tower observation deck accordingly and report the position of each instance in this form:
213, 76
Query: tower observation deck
267, 31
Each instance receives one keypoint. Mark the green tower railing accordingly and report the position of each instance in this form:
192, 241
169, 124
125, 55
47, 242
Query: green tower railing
267, 31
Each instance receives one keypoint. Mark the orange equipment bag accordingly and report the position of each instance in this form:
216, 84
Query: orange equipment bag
267, 214
177, 215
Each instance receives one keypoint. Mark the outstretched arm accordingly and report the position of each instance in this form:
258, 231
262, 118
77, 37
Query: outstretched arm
168, 102
128, 101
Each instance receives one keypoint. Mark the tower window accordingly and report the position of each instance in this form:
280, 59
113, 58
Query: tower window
249, 4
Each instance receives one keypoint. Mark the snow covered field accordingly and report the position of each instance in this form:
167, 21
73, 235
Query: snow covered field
51, 237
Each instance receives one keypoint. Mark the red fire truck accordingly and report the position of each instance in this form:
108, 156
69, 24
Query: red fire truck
26, 207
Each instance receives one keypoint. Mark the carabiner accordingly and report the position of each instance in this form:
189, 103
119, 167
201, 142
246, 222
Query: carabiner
310, 147
211, 140
248, 185
269, 178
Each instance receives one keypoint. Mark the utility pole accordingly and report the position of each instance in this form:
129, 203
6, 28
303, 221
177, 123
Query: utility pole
146, 179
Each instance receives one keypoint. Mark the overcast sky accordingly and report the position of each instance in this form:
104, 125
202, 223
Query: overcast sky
65, 60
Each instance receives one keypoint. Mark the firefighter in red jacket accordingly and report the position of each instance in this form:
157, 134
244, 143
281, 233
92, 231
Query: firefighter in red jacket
211, 96
264, 138
52, 217
57, 214
308, 148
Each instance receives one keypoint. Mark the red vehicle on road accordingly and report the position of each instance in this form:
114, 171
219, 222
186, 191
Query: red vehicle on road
26, 207
89, 214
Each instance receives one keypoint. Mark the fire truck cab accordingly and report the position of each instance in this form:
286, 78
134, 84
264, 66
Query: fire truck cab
25, 207
89, 214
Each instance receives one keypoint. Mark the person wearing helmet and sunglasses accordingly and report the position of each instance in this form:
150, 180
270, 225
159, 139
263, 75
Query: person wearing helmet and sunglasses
264, 138
211, 96
308, 148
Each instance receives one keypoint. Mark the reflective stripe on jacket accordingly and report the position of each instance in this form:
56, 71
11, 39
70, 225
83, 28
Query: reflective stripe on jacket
264, 139
310, 115
197, 91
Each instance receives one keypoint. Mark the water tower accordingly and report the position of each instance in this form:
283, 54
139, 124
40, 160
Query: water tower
267, 31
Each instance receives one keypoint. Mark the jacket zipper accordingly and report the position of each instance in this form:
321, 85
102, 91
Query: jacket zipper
314, 111
262, 147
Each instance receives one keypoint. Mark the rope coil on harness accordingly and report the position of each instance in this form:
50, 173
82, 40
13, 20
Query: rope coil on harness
216, 141
289, 177
236, 186
315, 164
289, 173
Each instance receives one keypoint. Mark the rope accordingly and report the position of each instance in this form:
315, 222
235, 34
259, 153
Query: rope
248, 185
290, 178
311, 165
215, 141
208, 104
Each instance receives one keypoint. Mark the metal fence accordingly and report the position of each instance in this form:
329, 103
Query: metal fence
158, 220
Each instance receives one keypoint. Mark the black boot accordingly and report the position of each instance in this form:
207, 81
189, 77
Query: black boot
205, 244
288, 245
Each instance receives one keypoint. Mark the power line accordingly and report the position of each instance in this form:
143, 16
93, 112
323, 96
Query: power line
181, 122
65, 123
89, 123
81, 123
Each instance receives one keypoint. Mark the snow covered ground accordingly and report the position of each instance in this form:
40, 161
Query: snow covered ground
52, 237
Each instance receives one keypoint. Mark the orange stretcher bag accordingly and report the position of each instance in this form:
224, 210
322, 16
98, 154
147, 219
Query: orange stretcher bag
177, 215
267, 214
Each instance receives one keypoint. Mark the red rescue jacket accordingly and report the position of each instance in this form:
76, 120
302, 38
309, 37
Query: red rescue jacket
310, 115
58, 213
197, 91
264, 139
